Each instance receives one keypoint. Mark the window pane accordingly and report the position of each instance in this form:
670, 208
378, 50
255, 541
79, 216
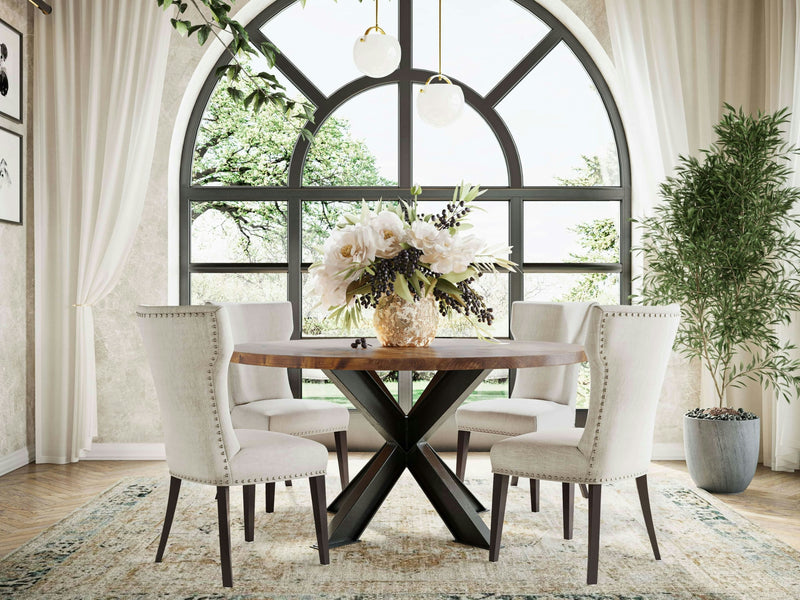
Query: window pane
300, 32
238, 287
560, 125
572, 232
507, 33
316, 386
494, 386
239, 146
464, 151
357, 145
572, 287
238, 231
489, 219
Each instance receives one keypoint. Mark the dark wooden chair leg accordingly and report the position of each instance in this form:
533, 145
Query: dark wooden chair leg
594, 532
461, 454
172, 502
568, 503
584, 490
534, 495
340, 437
644, 500
249, 501
288, 483
515, 480
223, 504
499, 495
270, 488
318, 505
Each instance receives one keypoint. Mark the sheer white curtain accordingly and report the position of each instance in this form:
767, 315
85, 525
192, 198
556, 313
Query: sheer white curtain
781, 420
98, 72
678, 62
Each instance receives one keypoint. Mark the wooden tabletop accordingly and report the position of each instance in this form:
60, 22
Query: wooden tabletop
442, 355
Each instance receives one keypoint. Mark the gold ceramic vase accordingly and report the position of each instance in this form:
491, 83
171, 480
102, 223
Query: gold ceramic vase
401, 323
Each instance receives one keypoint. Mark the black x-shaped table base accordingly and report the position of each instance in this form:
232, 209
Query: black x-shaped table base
406, 448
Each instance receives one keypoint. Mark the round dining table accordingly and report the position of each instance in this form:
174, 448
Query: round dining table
460, 365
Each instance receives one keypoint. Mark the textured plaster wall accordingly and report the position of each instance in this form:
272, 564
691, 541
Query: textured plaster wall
127, 406
16, 275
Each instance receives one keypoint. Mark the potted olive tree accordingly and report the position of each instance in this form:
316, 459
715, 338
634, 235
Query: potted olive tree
723, 244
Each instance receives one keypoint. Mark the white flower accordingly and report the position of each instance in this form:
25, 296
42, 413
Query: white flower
389, 233
328, 283
353, 245
453, 253
424, 236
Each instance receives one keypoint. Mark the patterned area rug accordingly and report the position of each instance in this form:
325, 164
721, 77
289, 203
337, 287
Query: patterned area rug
106, 550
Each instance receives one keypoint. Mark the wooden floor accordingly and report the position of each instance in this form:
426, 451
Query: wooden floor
36, 496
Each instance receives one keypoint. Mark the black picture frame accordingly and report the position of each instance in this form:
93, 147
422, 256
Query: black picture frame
10, 176
11, 80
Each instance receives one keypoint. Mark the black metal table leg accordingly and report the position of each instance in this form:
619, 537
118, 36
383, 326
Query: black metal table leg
454, 506
406, 448
363, 500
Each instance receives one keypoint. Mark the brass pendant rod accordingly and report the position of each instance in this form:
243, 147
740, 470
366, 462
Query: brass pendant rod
376, 14
440, 40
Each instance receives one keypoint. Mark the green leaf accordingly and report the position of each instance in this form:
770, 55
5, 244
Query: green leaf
203, 33
401, 288
182, 27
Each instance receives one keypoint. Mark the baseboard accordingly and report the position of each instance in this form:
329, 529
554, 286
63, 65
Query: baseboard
673, 451
15, 460
126, 452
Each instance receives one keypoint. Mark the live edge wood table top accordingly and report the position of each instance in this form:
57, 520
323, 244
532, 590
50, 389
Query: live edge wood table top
442, 355
460, 365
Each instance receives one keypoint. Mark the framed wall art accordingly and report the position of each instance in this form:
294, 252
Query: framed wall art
10, 72
10, 176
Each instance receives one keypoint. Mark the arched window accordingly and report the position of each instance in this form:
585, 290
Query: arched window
540, 132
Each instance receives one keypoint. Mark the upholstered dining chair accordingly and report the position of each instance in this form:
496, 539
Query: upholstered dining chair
189, 349
628, 349
543, 398
261, 397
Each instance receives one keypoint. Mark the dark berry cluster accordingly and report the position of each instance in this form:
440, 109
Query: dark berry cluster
360, 342
451, 215
386, 269
473, 303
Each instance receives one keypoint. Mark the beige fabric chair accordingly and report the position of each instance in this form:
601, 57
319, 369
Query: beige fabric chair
189, 350
261, 397
628, 349
543, 398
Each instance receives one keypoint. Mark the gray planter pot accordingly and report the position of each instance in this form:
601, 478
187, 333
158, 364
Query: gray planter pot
721, 455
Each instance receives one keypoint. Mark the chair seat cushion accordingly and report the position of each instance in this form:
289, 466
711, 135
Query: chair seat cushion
552, 455
269, 456
294, 416
513, 416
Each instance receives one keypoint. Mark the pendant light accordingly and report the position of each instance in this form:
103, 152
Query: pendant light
440, 104
377, 54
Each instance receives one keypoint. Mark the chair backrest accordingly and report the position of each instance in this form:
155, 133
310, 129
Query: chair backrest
259, 322
189, 348
564, 322
628, 349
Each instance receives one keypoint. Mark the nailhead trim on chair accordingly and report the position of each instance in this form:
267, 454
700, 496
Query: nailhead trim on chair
495, 431
602, 336
566, 478
317, 432
211, 387
249, 481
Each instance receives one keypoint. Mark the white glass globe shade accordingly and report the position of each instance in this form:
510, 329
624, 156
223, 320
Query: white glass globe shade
376, 54
440, 104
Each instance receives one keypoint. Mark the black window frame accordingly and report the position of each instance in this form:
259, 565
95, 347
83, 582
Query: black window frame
515, 194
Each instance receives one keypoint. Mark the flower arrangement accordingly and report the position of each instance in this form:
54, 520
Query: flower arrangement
393, 249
